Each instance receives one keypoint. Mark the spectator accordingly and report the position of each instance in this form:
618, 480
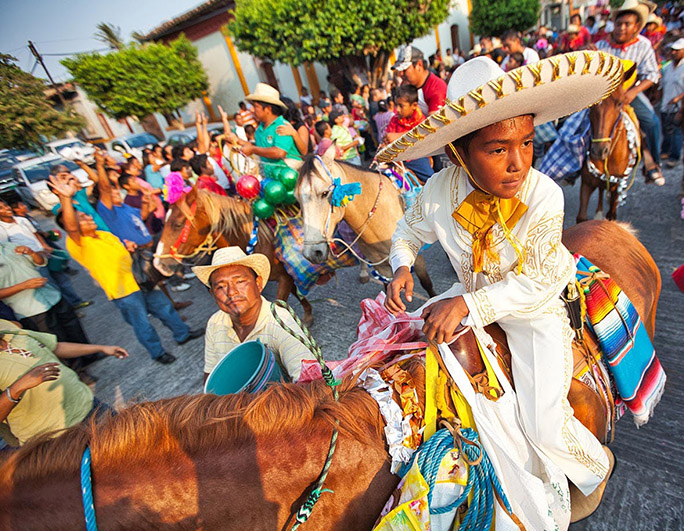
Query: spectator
250, 132
326, 107
671, 103
591, 24
152, 165
346, 143
206, 180
324, 131
141, 200
338, 101
236, 281
295, 127
654, 31
383, 116
245, 115
578, 38
515, 60
407, 117
28, 407
411, 65
110, 264
305, 99
512, 42
448, 59
492, 47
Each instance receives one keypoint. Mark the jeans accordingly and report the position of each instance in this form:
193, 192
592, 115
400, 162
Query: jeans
649, 123
421, 167
672, 136
134, 309
62, 282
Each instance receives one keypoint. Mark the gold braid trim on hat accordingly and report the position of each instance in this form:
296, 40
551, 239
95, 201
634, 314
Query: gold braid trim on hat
588, 58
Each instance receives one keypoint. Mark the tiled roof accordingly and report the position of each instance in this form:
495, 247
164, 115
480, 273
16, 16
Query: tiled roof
196, 14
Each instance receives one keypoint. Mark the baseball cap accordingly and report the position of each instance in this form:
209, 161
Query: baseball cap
407, 56
678, 44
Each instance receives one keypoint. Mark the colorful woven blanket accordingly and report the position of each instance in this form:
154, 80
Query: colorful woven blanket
288, 241
627, 348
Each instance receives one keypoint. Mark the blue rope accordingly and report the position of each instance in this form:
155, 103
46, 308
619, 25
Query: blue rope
87, 491
482, 480
254, 237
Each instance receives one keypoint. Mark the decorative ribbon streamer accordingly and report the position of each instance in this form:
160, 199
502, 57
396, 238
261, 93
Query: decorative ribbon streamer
254, 237
343, 193
174, 187
87, 491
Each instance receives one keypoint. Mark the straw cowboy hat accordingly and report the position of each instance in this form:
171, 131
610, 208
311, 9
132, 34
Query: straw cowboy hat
641, 8
232, 256
480, 93
265, 93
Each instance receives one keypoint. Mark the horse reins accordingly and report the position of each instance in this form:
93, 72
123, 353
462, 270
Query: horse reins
207, 246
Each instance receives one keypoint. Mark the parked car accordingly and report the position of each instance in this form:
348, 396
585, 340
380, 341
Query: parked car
72, 148
182, 138
8, 158
133, 144
32, 175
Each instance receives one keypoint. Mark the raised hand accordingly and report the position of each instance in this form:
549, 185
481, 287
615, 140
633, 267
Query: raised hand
100, 157
62, 186
224, 114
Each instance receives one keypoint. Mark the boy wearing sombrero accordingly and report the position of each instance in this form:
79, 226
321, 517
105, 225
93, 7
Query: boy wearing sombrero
500, 222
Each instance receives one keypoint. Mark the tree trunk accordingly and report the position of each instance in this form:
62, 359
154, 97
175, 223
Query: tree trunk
151, 125
379, 63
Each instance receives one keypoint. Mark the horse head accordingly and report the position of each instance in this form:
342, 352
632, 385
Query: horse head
604, 118
313, 190
185, 229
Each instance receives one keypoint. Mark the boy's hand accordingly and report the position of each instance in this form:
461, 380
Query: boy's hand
402, 281
443, 318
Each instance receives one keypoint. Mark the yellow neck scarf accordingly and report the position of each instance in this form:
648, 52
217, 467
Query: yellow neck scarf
479, 212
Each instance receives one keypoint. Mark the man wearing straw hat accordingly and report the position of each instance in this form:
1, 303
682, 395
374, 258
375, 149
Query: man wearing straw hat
268, 144
236, 281
500, 222
626, 43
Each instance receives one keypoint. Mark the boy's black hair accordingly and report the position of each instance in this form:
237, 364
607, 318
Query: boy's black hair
179, 164
321, 126
249, 129
124, 178
519, 58
198, 163
407, 92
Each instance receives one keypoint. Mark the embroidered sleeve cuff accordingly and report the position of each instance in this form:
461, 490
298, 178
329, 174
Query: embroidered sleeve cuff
403, 253
481, 312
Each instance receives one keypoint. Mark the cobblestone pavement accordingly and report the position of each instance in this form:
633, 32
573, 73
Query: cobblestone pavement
646, 492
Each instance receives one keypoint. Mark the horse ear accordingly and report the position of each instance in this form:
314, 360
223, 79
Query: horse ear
294, 163
191, 196
329, 155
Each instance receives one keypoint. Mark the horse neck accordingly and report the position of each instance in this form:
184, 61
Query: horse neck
235, 222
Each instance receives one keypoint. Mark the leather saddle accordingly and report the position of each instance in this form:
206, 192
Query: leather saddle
593, 405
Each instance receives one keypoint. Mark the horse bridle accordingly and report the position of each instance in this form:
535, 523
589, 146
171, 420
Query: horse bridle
207, 246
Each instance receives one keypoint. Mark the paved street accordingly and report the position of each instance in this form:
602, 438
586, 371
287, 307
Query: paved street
646, 492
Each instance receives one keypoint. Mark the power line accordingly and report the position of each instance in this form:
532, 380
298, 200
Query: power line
75, 53
39, 58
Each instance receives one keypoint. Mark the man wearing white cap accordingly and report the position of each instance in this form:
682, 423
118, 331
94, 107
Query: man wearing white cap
236, 281
673, 93
413, 68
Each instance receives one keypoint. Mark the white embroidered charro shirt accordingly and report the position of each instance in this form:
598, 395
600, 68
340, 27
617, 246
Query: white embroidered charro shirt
497, 291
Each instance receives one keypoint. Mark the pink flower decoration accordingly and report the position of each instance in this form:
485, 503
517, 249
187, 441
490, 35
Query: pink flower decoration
174, 187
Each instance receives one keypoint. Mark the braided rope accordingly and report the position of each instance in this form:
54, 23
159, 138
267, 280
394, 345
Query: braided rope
309, 342
87, 491
254, 237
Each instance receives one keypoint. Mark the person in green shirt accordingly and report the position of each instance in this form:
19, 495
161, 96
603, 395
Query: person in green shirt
268, 144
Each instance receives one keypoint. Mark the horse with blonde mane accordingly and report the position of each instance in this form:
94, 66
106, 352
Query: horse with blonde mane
372, 215
248, 461
201, 222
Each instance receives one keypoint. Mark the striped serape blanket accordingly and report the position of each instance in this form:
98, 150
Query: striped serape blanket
288, 242
627, 348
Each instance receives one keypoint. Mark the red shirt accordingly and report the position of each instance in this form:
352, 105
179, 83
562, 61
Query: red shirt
402, 125
432, 93
204, 182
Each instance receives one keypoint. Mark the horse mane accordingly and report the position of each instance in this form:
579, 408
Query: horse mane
227, 215
196, 424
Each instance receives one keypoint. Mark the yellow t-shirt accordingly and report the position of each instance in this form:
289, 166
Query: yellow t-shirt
50, 406
107, 261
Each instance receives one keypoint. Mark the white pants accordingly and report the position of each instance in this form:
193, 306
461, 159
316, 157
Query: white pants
542, 364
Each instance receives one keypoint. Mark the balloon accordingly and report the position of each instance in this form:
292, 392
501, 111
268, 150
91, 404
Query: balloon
274, 192
289, 178
290, 198
262, 209
276, 172
248, 187
264, 184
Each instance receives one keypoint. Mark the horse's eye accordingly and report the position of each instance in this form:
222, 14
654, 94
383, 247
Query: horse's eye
326, 193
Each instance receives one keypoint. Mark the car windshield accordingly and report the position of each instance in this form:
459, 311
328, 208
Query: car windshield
13, 156
41, 171
141, 140
75, 143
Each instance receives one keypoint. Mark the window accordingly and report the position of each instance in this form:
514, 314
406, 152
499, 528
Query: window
141, 140
41, 171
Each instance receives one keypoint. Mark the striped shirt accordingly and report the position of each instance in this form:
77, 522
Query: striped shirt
641, 52
220, 338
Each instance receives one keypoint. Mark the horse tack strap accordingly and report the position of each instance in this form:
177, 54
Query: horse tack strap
87, 491
183, 237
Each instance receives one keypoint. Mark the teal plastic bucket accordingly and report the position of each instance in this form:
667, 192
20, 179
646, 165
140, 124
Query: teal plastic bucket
248, 367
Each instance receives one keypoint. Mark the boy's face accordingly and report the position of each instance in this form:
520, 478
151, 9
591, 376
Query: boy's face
404, 108
339, 120
20, 209
339, 98
132, 185
186, 172
5, 210
328, 131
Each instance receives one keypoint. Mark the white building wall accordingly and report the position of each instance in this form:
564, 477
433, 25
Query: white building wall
286, 81
459, 16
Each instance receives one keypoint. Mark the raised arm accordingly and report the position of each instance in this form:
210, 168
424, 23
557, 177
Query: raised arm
65, 191
92, 175
103, 184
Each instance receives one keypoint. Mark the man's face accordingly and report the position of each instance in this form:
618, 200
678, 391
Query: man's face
86, 223
5, 210
500, 156
414, 74
236, 289
339, 98
259, 112
626, 27
512, 45
167, 152
677, 55
116, 197
187, 153
20, 209
132, 185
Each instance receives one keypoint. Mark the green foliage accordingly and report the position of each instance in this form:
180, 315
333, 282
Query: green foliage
25, 112
493, 17
298, 31
616, 3
139, 80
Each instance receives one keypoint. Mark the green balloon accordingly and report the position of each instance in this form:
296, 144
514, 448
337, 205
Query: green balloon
262, 208
290, 198
274, 192
289, 178
275, 172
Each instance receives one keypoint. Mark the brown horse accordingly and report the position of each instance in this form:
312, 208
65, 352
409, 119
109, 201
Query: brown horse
202, 222
246, 461
372, 215
615, 144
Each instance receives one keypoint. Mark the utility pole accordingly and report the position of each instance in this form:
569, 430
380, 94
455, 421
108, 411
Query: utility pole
39, 58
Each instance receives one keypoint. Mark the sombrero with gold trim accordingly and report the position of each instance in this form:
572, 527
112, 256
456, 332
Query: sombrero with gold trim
480, 93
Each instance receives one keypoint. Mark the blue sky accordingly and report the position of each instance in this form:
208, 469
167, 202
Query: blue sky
66, 26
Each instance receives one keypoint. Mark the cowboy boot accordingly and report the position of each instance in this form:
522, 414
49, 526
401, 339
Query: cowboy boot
582, 506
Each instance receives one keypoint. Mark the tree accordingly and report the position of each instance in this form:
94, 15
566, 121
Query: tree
299, 31
138, 80
493, 17
110, 35
25, 111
